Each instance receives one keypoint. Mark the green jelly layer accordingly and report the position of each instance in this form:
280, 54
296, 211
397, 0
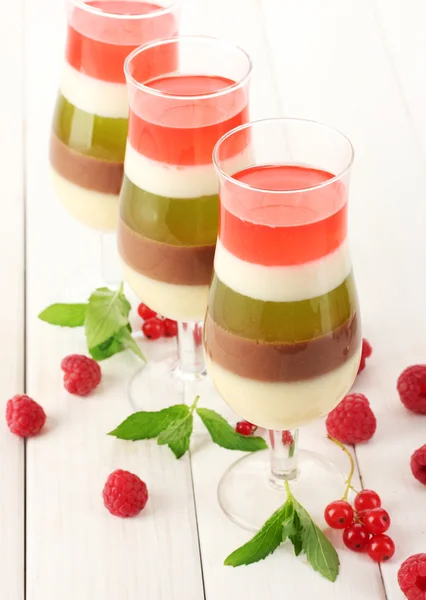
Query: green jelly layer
99, 137
175, 221
285, 322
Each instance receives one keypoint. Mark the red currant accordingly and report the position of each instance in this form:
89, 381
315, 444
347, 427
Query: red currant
145, 312
366, 500
171, 327
245, 428
339, 514
287, 438
154, 329
380, 548
377, 520
355, 537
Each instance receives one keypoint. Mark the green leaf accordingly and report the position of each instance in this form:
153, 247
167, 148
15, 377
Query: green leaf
264, 543
107, 313
147, 425
108, 348
320, 552
64, 315
224, 435
128, 343
177, 435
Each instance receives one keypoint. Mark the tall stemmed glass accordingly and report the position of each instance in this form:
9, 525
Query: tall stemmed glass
282, 331
169, 204
89, 129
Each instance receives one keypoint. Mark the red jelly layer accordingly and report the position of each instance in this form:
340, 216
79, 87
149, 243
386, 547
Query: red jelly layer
283, 229
97, 45
184, 131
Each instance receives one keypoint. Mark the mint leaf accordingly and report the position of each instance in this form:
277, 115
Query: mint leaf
320, 552
64, 315
107, 312
147, 425
177, 435
224, 435
128, 343
292, 530
264, 543
111, 346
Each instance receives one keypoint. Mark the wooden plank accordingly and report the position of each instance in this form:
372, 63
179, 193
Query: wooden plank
12, 322
276, 35
75, 548
333, 65
402, 32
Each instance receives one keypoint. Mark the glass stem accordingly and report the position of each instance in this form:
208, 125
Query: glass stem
284, 453
190, 350
110, 262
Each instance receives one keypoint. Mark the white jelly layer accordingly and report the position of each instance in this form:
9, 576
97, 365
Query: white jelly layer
94, 96
174, 181
282, 406
178, 302
94, 209
283, 284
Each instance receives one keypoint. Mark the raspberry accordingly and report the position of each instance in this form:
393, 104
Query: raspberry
352, 421
418, 464
24, 416
82, 374
411, 387
125, 495
366, 352
412, 577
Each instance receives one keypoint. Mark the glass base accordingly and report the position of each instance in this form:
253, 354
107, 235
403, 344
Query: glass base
248, 495
161, 383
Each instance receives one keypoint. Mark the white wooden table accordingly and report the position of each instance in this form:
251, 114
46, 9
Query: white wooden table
359, 65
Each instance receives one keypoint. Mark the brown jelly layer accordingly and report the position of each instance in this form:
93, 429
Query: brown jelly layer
275, 362
180, 265
85, 171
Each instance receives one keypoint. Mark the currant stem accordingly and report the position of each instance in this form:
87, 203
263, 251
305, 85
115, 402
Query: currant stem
352, 469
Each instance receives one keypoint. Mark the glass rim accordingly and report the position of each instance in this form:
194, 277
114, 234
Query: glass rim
191, 38
100, 12
272, 120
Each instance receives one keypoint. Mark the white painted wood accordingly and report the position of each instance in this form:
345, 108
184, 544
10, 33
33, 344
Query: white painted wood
326, 60
402, 28
12, 350
75, 548
333, 64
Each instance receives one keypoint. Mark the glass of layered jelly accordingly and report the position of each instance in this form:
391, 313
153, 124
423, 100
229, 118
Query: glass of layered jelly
282, 333
90, 121
184, 94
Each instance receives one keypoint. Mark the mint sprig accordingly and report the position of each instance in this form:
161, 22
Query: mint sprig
173, 426
178, 435
291, 521
105, 318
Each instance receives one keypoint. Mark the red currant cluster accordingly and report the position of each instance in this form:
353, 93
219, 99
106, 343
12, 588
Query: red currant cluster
154, 326
364, 525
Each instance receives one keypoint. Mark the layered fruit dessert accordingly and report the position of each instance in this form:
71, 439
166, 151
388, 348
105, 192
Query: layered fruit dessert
91, 116
169, 204
282, 332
